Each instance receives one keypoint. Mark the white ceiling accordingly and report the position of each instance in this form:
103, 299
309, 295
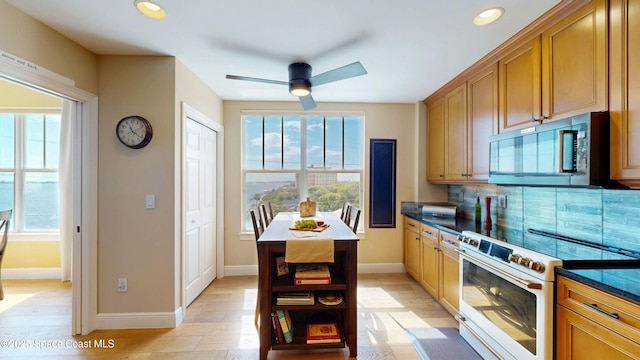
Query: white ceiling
410, 48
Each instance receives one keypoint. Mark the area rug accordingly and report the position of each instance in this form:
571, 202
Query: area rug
441, 344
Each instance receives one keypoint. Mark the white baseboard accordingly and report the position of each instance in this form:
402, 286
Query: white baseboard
381, 268
31, 273
240, 270
151, 320
371, 268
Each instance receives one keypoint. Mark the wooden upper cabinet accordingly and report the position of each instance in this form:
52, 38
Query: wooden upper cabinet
435, 137
482, 106
519, 90
625, 91
574, 63
456, 134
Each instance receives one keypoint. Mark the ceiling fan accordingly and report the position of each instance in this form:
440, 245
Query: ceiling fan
301, 81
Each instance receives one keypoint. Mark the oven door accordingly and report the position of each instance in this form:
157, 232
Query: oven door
510, 314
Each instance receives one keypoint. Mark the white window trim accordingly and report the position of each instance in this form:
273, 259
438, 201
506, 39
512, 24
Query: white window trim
247, 235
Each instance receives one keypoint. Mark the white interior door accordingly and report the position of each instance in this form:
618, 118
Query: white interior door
200, 208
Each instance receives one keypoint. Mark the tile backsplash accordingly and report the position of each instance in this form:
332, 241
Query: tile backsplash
607, 217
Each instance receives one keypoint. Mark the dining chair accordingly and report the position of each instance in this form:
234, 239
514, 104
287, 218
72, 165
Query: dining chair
343, 213
347, 214
258, 229
353, 218
267, 213
5, 216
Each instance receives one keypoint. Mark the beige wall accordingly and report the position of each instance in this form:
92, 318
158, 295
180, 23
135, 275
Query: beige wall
29, 39
393, 121
142, 244
135, 242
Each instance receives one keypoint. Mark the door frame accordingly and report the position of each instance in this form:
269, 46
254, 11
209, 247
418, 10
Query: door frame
189, 112
85, 163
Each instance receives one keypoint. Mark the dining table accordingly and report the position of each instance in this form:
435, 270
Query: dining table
272, 244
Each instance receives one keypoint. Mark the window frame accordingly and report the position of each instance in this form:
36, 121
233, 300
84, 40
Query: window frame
303, 171
20, 170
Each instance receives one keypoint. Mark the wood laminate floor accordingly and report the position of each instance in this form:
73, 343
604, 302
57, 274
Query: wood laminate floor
35, 322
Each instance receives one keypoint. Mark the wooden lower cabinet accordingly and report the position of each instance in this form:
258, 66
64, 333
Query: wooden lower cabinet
449, 262
429, 258
412, 247
579, 338
429, 269
584, 332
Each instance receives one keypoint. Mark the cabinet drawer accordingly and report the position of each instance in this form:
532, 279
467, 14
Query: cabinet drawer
450, 240
429, 231
613, 312
411, 224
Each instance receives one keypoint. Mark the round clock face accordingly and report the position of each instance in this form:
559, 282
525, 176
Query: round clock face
134, 131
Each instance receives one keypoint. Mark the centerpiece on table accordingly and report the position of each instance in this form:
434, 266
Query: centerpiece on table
308, 208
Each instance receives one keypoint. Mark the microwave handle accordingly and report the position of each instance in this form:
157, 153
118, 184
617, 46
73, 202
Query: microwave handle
561, 152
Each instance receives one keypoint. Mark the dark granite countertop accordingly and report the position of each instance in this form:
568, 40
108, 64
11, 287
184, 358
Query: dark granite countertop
452, 225
621, 281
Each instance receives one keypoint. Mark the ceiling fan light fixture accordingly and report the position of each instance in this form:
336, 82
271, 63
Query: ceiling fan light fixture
300, 89
488, 16
150, 9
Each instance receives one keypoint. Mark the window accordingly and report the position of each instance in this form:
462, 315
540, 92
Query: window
29, 151
291, 157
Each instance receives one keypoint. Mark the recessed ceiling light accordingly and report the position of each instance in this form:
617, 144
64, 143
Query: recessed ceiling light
150, 9
488, 16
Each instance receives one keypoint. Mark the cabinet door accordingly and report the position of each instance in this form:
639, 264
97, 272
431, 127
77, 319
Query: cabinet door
435, 136
519, 90
456, 134
580, 338
625, 91
574, 63
449, 274
412, 253
482, 122
429, 265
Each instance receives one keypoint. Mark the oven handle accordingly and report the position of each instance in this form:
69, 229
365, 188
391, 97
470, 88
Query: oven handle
461, 320
527, 283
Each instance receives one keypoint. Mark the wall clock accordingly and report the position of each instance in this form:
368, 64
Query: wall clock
134, 131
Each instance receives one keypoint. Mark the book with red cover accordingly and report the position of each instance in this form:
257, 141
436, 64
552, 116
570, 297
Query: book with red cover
277, 329
323, 333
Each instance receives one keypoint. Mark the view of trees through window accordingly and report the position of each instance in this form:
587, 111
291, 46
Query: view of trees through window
289, 158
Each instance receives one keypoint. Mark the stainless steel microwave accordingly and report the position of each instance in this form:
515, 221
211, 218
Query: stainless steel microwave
567, 152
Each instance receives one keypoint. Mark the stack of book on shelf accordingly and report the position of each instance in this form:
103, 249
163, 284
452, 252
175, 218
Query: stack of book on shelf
295, 298
282, 326
312, 274
323, 333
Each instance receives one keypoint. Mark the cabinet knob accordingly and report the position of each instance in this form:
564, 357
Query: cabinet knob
441, 175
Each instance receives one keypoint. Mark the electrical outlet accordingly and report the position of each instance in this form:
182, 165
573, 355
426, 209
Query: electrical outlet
461, 196
502, 201
122, 284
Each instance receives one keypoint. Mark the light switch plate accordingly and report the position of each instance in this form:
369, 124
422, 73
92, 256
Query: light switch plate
150, 201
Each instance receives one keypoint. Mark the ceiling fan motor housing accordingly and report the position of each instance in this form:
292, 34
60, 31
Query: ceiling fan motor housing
299, 74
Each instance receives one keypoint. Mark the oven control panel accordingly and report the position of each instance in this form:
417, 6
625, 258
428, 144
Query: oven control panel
510, 254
